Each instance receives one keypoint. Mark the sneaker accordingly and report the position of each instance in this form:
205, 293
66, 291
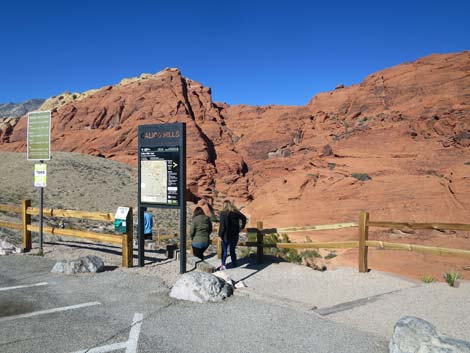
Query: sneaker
221, 268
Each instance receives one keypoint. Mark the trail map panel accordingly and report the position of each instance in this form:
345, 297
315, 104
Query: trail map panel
160, 175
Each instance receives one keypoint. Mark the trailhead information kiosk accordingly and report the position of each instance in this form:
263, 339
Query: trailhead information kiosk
162, 177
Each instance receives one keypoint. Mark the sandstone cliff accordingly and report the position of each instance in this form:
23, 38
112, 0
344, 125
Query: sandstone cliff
396, 144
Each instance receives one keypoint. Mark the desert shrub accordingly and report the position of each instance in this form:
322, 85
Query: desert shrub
331, 255
428, 279
451, 277
289, 255
331, 166
310, 254
467, 163
361, 176
314, 176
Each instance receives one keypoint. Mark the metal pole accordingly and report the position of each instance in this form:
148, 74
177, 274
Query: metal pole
140, 237
41, 206
183, 201
183, 239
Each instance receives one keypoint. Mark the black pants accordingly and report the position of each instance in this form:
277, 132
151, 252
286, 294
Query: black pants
199, 252
148, 236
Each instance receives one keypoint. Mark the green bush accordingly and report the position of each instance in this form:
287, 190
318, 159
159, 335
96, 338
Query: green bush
310, 254
361, 176
428, 279
289, 255
331, 255
451, 277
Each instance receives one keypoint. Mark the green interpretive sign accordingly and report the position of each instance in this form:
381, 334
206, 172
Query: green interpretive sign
39, 136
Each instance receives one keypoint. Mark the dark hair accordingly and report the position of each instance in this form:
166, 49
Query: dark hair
198, 211
144, 209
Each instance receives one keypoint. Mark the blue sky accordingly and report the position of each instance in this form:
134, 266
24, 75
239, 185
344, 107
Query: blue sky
248, 52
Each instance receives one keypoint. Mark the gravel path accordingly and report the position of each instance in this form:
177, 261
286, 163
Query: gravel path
446, 307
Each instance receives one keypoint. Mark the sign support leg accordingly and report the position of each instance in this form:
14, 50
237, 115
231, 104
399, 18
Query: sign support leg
183, 239
140, 238
41, 208
41, 205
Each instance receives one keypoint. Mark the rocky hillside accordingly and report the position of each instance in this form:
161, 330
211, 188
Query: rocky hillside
397, 144
16, 110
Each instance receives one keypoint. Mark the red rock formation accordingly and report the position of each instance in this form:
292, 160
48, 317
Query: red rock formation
407, 127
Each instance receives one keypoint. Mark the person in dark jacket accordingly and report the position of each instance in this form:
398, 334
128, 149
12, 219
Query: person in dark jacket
231, 221
201, 228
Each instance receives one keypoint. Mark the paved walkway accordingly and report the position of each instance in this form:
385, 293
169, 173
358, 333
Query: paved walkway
372, 301
127, 310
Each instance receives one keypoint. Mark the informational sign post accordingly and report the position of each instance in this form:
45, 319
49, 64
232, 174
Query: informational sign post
39, 136
162, 176
39, 149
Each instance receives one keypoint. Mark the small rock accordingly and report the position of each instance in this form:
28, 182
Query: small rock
84, 264
414, 335
7, 248
201, 287
205, 267
93, 263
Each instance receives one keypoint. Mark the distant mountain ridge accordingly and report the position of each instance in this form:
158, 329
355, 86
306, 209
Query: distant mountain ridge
16, 110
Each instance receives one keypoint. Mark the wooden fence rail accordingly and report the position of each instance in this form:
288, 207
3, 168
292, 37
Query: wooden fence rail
10, 208
362, 243
26, 211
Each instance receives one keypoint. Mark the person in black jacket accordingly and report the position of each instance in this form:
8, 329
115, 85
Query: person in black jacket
231, 221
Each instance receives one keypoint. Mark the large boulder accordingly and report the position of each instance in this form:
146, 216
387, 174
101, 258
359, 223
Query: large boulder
201, 287
84, 264
414, 335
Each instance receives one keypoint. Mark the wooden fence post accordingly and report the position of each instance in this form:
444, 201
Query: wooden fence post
259, 242
363, 237
127, 242
26, 222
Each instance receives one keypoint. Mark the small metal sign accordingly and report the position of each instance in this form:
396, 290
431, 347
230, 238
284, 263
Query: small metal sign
40, 175
39, 136
121, 213
120, 220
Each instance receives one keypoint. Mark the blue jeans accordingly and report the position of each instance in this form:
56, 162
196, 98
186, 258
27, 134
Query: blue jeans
231, 244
